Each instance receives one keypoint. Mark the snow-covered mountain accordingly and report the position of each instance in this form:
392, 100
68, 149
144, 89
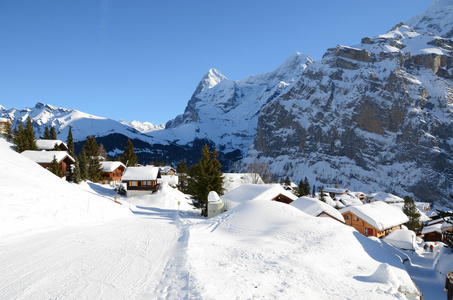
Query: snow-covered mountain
144, 127
372, 116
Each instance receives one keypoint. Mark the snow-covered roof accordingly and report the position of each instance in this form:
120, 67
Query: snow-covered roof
110, 166
3, 120
348, 200
432, 228
401, 238
335, 190
316, 207
250, 192
423, 216
385, 197
49, 144
166, 169
446, 226
378, 214
46, 157
141, 173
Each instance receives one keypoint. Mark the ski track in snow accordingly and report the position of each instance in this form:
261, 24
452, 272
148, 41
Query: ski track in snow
129, 258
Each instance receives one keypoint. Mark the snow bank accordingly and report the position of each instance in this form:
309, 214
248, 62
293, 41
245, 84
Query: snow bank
32, 198
271, 250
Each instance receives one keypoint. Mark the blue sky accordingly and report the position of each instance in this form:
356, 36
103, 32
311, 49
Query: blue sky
142, 60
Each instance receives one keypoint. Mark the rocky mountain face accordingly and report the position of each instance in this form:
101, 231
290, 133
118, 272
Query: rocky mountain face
377, 115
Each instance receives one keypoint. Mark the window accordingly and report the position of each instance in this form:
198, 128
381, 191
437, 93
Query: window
133, 183
146, 183
355, 218
347, 217
366, 231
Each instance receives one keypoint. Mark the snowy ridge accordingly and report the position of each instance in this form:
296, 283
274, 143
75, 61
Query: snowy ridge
438, 19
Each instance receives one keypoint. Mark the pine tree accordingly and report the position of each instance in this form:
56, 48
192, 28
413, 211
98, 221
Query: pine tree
83, 165
411, 211
93, 163
53, 133
70, 143
306, 186
19, 138
287, 181
183, 171
128, 157
205, 176
46, 133
75, 172
55, 168
29, 134
321, 194
300, 189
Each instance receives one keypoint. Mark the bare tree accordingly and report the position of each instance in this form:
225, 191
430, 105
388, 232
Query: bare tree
259, 170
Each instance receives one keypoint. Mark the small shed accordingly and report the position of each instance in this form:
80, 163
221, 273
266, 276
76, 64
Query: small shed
433, 233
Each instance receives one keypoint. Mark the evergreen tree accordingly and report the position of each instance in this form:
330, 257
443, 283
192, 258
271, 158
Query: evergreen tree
205, 176
29, 134
56, 147
306, 186
83, 165
128, 157
55, 168
70, 143
321, 194
183, 171
46, 134
287, 181
411, 211
314, 190
300, 189
75, 172
93, 163
19, 138
53, 133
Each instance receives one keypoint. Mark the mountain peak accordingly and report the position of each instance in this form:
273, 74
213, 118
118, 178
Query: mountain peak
437, 19
209, 80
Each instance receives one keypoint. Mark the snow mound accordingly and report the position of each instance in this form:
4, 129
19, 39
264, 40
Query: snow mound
271, 250
166, 198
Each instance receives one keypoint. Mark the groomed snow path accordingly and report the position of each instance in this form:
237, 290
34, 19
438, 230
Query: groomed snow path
126, 259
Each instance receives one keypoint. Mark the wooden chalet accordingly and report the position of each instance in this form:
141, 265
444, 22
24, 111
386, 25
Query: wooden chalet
335, 192
433, 233
112, 171
374, 219
3, 123
49, 145
141, 180
45, 158
167, 170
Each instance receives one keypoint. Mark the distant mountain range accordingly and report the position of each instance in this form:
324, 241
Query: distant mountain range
373, 116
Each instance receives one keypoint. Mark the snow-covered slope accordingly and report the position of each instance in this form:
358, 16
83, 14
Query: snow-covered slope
271, 250
33, 199
144, 127
83, 124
